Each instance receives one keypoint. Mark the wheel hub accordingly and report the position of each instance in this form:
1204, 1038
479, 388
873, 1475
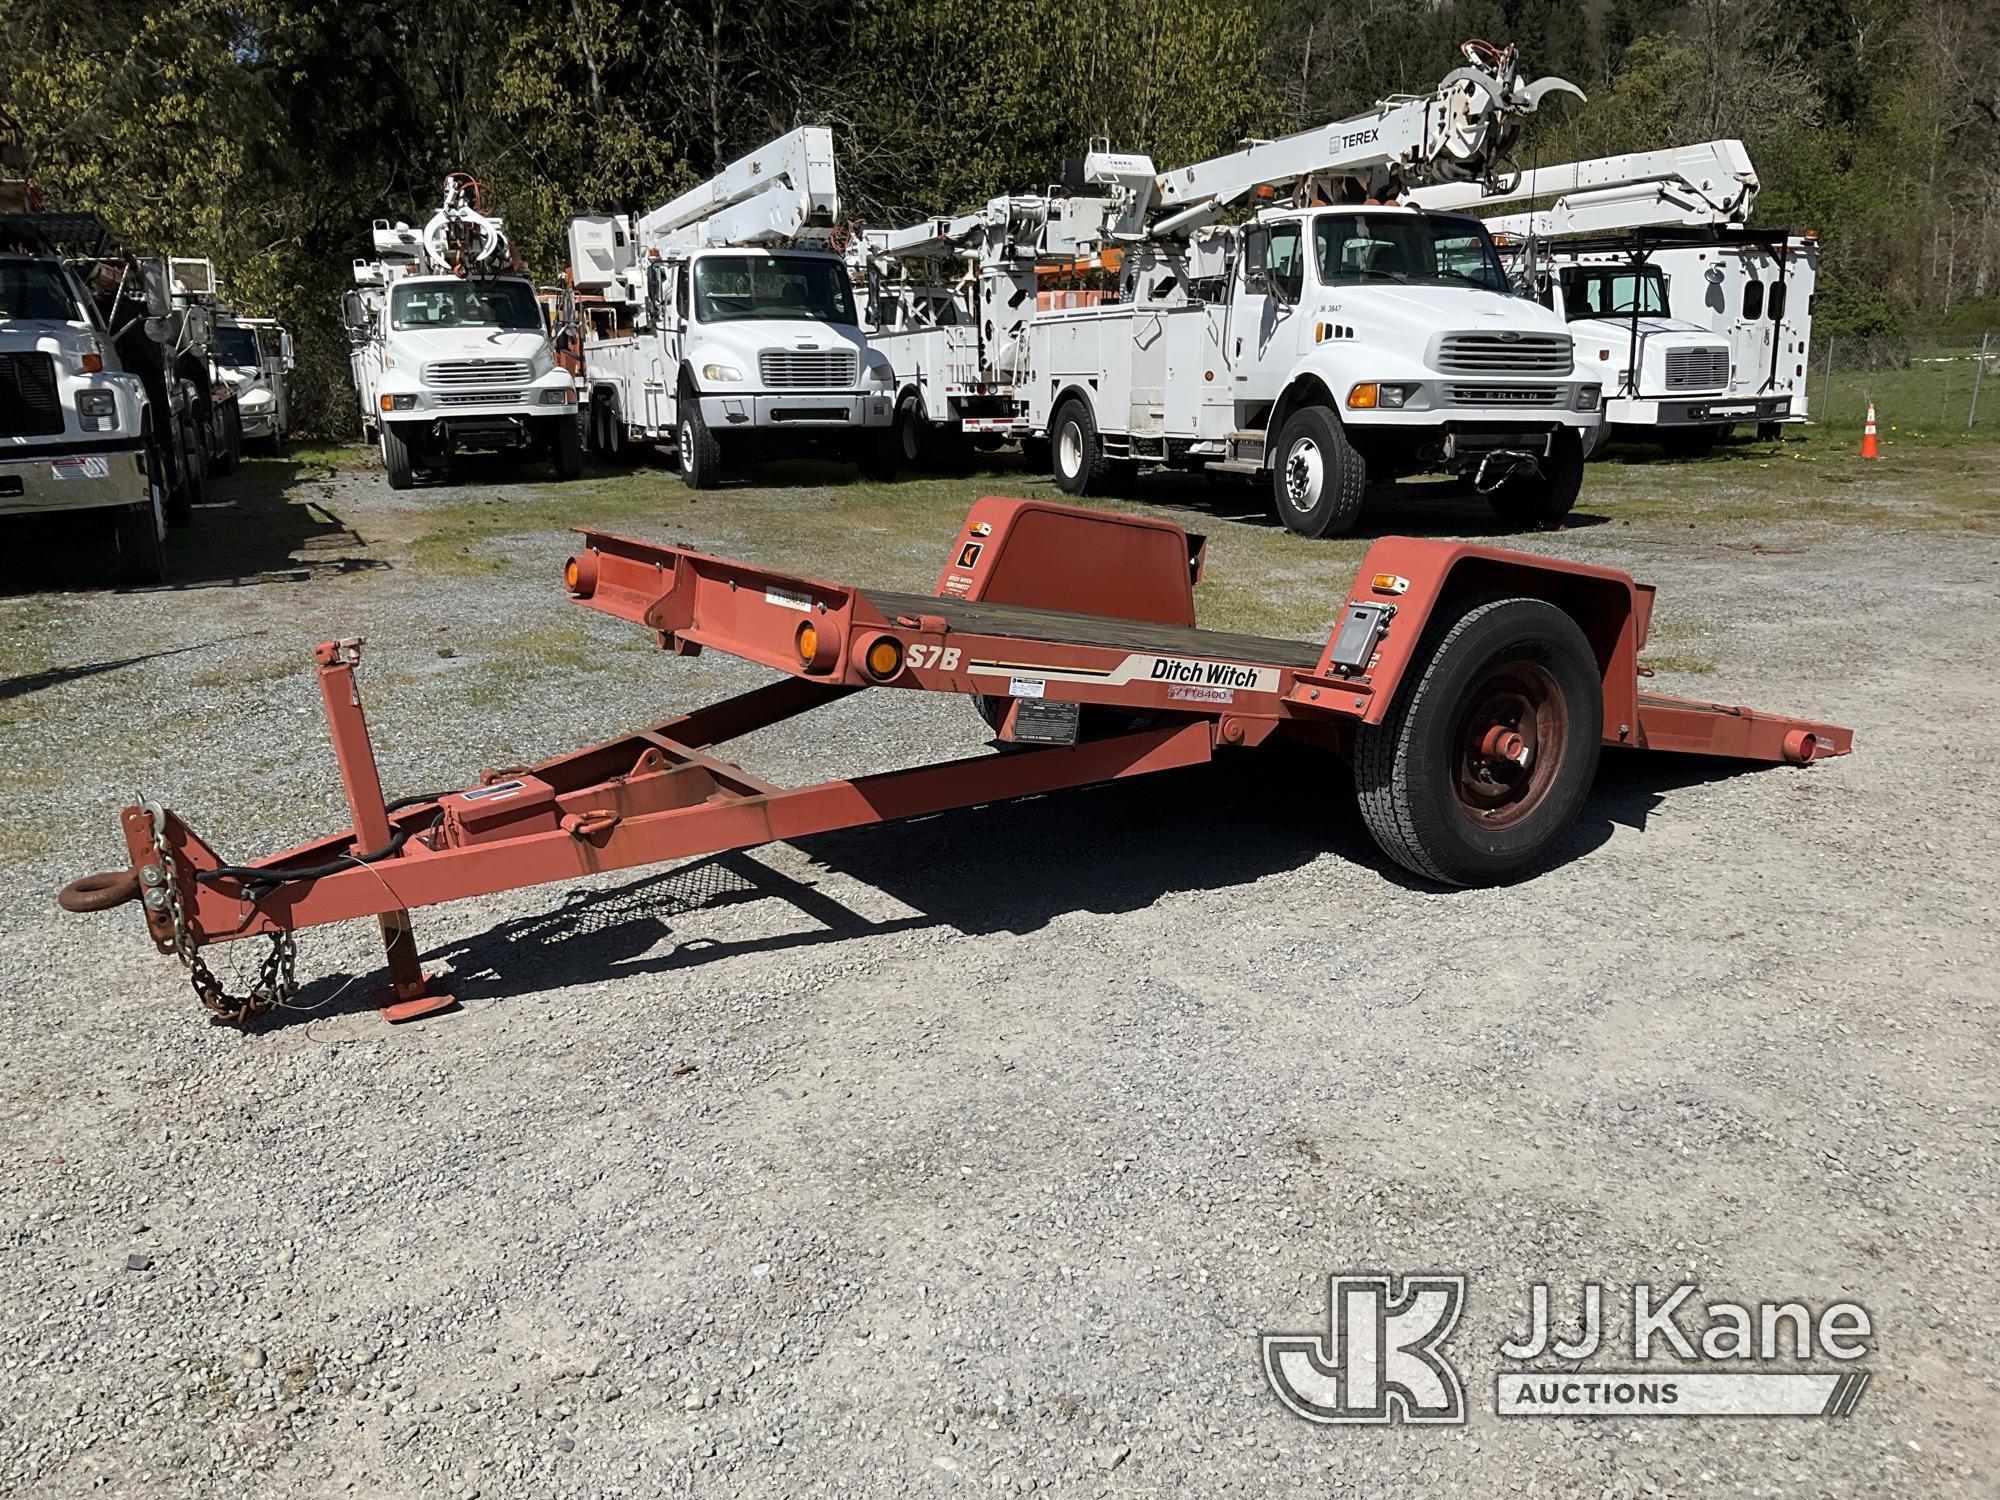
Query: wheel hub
1509, 743
1305, 473
1070, 446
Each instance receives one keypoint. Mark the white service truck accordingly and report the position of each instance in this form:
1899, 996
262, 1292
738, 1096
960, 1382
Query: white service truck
255, 357
1623, 250
1340, 339
448, 347
719, 326
100, 411
948, 301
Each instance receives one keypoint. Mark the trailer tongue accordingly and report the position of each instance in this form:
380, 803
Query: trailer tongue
1472, 689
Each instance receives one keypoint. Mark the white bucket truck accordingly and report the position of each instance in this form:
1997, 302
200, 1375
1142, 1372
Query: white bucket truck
1339, 340
448, 347
1628, 250
255, 357
716, 324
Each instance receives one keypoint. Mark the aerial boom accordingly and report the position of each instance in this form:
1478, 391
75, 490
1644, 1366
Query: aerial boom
782, 191
1694, 186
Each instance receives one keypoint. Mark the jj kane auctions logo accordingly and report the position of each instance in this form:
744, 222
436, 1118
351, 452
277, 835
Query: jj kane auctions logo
1382, 1357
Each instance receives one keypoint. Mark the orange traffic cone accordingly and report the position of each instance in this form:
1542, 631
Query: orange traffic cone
1868, 449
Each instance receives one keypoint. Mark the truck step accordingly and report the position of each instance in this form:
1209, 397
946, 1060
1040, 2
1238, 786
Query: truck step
1233, 466
1246, 445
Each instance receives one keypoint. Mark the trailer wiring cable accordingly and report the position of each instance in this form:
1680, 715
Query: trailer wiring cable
259, 881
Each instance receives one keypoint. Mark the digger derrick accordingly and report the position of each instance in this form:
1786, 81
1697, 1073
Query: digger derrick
1041, 613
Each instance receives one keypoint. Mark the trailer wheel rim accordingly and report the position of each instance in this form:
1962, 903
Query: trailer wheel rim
1069, 446
1305, 475
1508, 748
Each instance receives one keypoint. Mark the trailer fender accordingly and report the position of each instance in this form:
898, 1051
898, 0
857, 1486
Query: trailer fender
1305, 390
1426, 581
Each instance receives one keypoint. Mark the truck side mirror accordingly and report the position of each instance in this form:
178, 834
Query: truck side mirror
160, 330
157, 290
1257, 259
354, 313
285, 350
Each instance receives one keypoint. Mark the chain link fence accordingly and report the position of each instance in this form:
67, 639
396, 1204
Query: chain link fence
1935, 383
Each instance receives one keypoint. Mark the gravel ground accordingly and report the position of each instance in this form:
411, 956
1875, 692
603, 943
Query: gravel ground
972, 1155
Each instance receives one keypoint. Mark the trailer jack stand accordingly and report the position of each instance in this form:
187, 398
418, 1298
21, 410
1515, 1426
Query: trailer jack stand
409, 992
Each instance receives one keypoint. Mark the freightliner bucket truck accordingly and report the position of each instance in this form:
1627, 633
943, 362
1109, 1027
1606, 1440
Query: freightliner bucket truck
719, 325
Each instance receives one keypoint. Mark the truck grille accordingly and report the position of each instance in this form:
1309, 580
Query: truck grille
1502, 354
799, 370
1504, 395
1697, 369
478, 398
29, 406
457, 373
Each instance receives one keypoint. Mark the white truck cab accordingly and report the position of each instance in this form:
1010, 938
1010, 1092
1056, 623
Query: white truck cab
255, 357
716, 325
1346, 344
450, 348
1660, 374
76, 430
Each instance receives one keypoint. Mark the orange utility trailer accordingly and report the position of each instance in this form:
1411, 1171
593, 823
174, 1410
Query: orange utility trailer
1471, 689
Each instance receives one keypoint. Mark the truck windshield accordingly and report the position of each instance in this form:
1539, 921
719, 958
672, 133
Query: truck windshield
236, 346
1415, 248
464, 304
1613, 291
728, 288
34, 290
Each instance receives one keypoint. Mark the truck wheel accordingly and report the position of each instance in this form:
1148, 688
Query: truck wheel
1539, 500
1489, 748
1080, 465
1319, 478
192, 472
912, 430
230, 453
396, 457
140, 536
700, 453
566, 447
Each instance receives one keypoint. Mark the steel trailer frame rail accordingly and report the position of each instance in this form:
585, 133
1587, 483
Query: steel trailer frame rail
1127, 689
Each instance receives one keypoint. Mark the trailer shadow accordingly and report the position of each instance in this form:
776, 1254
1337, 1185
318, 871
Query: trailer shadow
1010, 868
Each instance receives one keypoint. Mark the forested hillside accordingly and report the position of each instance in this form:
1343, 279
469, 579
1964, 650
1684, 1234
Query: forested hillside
268, 133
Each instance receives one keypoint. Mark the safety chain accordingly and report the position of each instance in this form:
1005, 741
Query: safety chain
277, 977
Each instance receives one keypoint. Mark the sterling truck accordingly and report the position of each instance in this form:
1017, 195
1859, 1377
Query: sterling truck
449, 350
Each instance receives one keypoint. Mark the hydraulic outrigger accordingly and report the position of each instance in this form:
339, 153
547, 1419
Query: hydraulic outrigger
1471, 687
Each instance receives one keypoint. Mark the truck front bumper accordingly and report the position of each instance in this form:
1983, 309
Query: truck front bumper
803, 410
1705, 411
261, 423
94, 479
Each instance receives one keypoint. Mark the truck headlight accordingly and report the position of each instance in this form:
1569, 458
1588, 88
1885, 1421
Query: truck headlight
559, 395
399, 403
1393, 396
1587, 397
97, 411
721, 372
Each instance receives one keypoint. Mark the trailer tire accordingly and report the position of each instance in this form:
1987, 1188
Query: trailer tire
396, 457
1319, 479
1540, 501
1439, 795
698, 453
566, 447
1077, 449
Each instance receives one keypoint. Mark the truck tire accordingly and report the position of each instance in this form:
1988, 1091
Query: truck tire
700, 455
566, 447
191, 486
1490, 747
1319, 478
229, 452
1539, 500
396, 457
139, 534
1078, 451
